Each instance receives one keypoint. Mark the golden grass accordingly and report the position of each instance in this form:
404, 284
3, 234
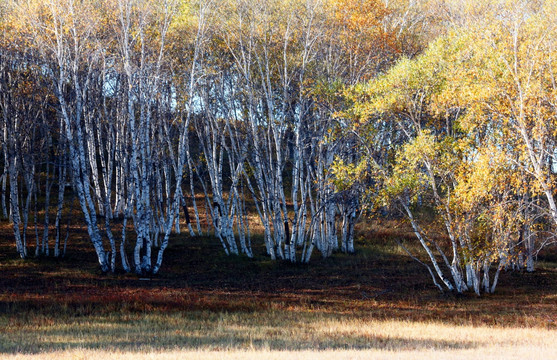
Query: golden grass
270, 335
262, 334
507, 353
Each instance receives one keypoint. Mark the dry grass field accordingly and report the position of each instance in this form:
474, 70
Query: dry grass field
270, 335
376, 304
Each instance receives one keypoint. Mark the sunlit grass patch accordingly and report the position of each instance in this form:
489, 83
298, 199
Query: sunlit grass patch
270, 334
492, 353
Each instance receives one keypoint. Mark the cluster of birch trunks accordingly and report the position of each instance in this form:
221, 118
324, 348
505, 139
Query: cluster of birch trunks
132, 108
277, 121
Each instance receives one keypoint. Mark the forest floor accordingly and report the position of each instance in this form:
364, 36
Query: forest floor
377, 303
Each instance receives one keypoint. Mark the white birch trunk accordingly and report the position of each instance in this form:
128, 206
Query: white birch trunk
14, 207
46, 223
4, 177
434, 262
60, 202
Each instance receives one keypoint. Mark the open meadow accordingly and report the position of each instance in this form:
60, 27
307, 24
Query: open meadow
376, 304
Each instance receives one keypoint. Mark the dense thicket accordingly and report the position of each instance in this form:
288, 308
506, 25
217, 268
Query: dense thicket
303, 112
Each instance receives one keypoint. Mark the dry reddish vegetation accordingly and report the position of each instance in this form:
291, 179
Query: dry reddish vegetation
378, 282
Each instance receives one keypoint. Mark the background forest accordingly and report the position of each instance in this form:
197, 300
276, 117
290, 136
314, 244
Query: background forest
282, 122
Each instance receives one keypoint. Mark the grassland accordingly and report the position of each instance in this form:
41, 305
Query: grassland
376, 304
